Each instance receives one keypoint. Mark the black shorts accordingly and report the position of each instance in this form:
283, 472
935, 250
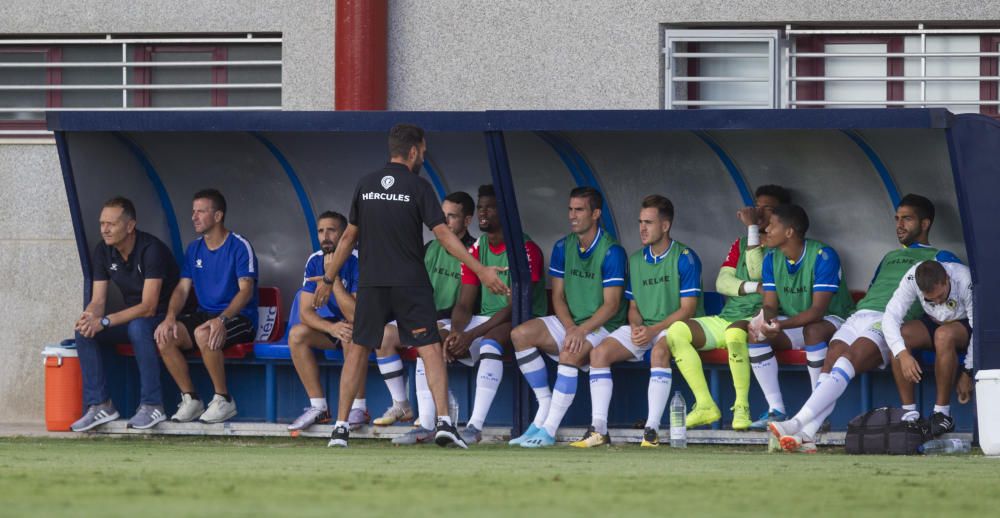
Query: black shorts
239, 329
932, 326
412, 307
333, 339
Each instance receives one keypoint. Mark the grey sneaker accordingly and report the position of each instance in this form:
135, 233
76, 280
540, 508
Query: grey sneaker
188, 410
399, 411
416, 435
95, 416
309, 417
147, 416
219, 410
471, 435
358, 418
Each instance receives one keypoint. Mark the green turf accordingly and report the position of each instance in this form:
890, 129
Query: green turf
180, 476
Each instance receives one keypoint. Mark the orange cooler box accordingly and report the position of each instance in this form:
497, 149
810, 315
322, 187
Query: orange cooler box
63, 387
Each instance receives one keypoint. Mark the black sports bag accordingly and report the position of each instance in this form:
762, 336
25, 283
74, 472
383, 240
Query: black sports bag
883, 432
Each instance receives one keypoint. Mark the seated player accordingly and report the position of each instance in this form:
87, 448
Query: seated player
588, 270
315, 331
803, 283
944, 292
739, 280
487, 334
861, 338
445, 274
664, 288
145, 272
221, 267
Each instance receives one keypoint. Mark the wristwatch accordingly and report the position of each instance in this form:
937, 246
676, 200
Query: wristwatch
106, 322
223, 319
327, 280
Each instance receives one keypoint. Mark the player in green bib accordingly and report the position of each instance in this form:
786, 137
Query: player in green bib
445, 274
805, 301
484, 337
588, 269
859, 345
739, 280
664, 286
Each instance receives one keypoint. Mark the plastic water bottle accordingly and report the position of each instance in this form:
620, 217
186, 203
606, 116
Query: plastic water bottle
678, 427
452, 408
944, 447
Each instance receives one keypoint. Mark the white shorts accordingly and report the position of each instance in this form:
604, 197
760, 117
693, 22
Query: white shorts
558, 334
865, 324
623, 335
474, 347
798, 339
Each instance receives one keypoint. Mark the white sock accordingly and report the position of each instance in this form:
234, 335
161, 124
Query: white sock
562, 397
533, 368
341, 423
658, 393
394, 375
601, 387
425, 400
765, 369
318, 402
445, 418
360, 403
827, 393
910, 408
487, 381
812, 427
911, 413
815, 355
944, 409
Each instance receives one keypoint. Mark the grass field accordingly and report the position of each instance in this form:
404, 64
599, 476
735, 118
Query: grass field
156, 476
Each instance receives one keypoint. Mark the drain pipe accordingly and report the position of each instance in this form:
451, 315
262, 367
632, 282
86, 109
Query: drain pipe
361, 54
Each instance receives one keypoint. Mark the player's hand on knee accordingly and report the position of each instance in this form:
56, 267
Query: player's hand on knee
640, 335
964, 387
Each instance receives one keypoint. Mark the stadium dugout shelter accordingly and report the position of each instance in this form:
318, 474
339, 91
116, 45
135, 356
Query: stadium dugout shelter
279, 170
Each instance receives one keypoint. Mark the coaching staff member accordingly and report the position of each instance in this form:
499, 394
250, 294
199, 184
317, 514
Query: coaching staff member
386, 212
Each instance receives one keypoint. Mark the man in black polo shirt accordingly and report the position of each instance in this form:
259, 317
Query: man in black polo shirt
145, 273
387, 210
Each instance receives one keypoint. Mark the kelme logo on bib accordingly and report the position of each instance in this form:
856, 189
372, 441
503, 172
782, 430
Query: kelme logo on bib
387, 182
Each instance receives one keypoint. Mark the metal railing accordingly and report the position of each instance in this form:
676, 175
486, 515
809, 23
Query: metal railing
21, 99
791, 79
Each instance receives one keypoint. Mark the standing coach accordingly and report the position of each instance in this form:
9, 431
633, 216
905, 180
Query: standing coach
387, 210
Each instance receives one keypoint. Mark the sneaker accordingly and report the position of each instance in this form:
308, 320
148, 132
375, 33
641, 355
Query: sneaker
741, 417
147, 416
310, 416
650, 439
703, 415
338, 438
416, 435
189, 409
784, 428
797, 443
446, 436
941, 424
219, 410
760, 424
541, 439
532, 430
471, 435
358, 418
592, 439
95, 416
398, 412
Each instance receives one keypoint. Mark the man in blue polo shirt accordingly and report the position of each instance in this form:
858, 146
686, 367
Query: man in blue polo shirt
221, 266
142, 268
327, 327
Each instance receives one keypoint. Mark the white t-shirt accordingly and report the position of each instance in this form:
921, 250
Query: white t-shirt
957, 307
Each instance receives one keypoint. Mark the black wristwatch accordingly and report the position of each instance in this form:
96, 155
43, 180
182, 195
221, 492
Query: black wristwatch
223, 319
106, 322
327, 280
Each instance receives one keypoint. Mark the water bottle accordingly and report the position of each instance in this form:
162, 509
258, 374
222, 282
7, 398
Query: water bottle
452, 408
944, 447
678, 427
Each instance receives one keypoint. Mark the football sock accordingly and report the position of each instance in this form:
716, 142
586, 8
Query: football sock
562, 397
815, 354
688, 362
487, 380
739, 363
657, 395
425, 399
765, 369
533, 367
601, 387
392, 371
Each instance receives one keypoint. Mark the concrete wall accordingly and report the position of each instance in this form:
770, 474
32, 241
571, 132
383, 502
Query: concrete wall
443, 55
40, 278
